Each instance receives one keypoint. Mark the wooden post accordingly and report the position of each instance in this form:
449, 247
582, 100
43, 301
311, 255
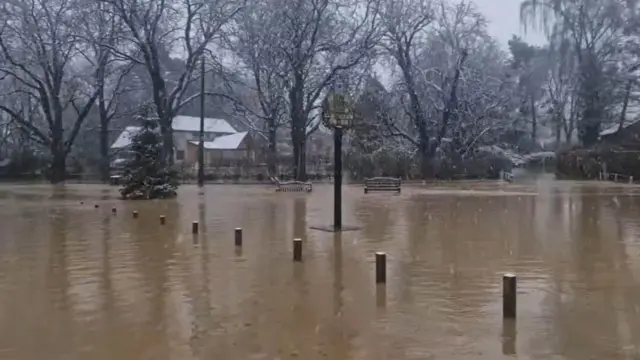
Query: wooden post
194, 228
96, 206
381, 268
135, 214
163, 220
509, 287
238, 237
297, 249
114, 210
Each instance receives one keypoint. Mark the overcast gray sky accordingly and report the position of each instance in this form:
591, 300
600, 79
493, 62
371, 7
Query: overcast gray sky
504, 20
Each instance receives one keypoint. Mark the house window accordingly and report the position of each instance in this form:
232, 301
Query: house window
179, 155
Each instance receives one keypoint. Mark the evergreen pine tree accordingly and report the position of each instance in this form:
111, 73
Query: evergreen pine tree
146, 176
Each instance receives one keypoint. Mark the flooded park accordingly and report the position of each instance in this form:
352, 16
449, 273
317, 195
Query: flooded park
80, 281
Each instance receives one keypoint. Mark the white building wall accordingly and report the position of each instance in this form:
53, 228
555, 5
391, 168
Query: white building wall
181, 138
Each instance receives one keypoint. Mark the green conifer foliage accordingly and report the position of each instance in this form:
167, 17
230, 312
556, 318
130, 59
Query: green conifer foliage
146, 176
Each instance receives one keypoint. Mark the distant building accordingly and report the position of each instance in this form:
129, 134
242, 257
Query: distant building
626, 137
222, 141
234, 149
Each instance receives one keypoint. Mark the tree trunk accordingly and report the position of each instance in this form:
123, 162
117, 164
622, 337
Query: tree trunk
592, 114
298, 126
299, 154
58, 166
167, 143
590, 94
558, 130
567, 136
426, 158
272, 156
301, 175
449, 112
625, 104
590, 126
104, 149
419, 121
534, 120
295, 152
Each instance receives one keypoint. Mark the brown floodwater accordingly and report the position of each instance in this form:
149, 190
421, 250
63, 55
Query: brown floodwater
78, 282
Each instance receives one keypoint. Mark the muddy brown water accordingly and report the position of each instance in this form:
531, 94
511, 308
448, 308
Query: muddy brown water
78, 282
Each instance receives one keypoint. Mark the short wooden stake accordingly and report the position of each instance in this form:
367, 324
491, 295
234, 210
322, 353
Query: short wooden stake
297, 249
114, 210
163, 220
509, 287
194, 227
135, 214
238, 237
381, 268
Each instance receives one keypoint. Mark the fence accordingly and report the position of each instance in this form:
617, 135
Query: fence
604, 176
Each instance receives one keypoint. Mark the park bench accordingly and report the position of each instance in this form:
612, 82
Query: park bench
115, 179
506, 176
381, 184
615, 177
293, 186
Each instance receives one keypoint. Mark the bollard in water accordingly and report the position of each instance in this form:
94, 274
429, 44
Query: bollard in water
297, 249
238, 237
381, 268
509, 286
135, 214
114, 210
96, 206
163, 220
630, 179
194, 227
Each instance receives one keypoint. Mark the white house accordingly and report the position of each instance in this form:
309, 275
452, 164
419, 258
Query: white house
185, 129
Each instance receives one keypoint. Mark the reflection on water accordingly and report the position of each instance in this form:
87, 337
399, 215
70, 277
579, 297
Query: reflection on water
78, 282
508, 337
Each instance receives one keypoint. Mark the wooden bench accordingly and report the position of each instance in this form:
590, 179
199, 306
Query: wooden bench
382, 184
506, 176
293, 186
115, 179
615, 177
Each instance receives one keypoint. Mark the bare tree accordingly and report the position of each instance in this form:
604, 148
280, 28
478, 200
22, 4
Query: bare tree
40, 45
594, 31
317, 41
450, 82
265, 74
531, 66
154, 28
101, 32
561, 90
